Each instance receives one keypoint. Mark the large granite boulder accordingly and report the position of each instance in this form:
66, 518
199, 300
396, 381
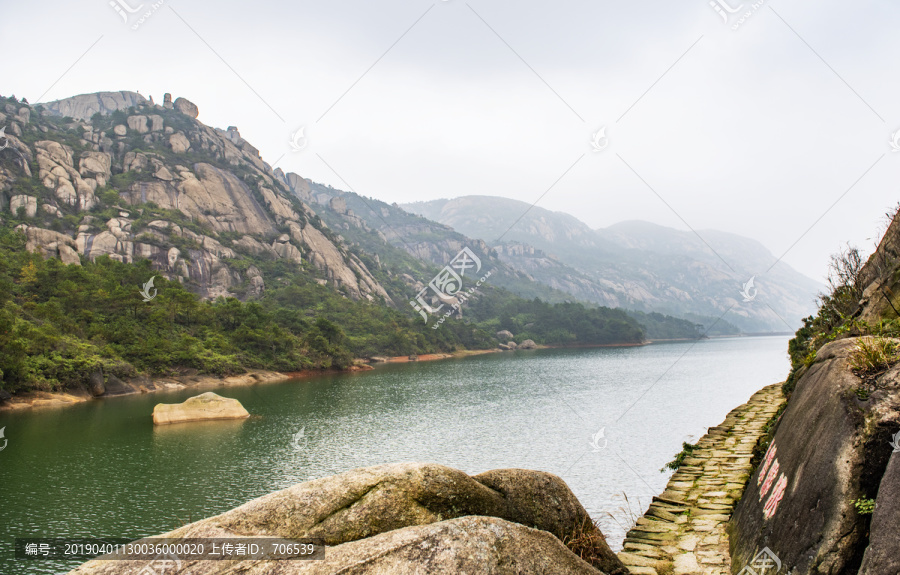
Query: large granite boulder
200, 408
504, 335
84, 106
187, 107
831, 448
883, 553
413, 514
528, 344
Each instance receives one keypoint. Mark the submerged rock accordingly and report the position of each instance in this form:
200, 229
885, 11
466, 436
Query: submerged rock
200, 408
413, 518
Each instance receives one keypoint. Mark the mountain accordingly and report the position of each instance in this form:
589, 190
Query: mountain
637, 265
136, 240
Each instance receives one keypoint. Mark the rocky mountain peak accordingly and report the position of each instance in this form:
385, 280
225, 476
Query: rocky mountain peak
130, 180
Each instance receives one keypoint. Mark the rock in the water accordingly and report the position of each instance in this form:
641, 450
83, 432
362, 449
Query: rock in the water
528, 344
96, 384
512, 344
187, 107
504, 335
370, 512
504, 347
200, 408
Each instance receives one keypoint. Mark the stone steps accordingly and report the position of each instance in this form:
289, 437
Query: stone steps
683, 530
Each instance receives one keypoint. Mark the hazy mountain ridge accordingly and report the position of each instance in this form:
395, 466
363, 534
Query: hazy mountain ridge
638, 265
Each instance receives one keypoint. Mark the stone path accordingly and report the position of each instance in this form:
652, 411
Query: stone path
683, 531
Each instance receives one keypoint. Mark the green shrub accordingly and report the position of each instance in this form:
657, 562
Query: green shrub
687, 451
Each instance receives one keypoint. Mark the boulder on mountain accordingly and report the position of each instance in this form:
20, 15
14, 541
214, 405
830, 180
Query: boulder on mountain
504, 335
179, 143
512, 344
84, 106
138, 124
382, 512
187, 107
203, 407
528, 344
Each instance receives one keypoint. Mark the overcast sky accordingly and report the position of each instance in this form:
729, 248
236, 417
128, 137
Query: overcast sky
757, 131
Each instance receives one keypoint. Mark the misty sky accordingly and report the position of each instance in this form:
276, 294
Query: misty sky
757, 131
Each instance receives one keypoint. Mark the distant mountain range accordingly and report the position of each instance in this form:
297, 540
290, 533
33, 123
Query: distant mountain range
636, 265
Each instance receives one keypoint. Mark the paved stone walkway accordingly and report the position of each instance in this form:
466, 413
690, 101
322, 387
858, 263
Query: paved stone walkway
683, 531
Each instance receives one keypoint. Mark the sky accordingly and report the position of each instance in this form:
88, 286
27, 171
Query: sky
772, 120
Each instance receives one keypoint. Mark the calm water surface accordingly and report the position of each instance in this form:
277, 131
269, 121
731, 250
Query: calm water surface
101, 469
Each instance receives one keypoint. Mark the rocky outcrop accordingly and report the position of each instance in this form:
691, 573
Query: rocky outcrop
187, 107
416, 518
882, 556
233, 191
528, 344
57, 172
831, 448
504, 335
203, 407
84, 106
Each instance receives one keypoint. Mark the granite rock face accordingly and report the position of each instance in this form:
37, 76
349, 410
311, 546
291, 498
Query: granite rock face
831, 448
415, 518
84, 106
163, 155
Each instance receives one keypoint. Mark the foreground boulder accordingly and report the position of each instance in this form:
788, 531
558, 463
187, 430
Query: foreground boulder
415, 518
831, 449
200, 408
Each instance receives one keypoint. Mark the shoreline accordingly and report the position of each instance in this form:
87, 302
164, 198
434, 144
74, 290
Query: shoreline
684, 527
144, 384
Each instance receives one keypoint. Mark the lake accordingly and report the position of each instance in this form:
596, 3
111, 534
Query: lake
101, 469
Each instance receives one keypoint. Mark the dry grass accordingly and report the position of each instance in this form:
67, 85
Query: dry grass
586, 540
873, 355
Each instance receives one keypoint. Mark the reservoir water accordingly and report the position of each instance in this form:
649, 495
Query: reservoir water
101, 469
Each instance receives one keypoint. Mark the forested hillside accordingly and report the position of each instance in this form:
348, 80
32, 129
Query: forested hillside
102, 193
